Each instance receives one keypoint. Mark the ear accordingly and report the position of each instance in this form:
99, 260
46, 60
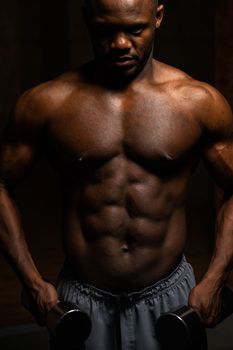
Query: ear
159, 16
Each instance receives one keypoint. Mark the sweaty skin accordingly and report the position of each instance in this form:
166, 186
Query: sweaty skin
125, 132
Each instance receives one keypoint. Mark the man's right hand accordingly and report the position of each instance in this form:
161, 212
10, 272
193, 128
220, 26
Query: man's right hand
40, 300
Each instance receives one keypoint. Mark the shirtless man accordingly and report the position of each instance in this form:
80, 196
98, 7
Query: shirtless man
126, 133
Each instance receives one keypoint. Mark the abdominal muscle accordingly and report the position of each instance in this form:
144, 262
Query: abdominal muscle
122, 237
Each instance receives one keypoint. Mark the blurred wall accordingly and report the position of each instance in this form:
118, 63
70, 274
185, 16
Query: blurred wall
40, 39
224, 49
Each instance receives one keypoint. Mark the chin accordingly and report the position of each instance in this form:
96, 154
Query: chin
125, 74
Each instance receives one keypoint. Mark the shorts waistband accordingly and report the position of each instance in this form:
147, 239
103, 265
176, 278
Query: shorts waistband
155, 289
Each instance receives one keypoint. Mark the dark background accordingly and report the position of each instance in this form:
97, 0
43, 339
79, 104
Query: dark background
42, 38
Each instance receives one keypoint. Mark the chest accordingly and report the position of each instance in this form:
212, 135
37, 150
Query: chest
141, 127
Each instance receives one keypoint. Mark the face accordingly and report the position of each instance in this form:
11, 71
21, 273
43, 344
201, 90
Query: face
122, 33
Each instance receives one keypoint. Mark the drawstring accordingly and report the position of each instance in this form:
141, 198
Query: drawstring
122, 302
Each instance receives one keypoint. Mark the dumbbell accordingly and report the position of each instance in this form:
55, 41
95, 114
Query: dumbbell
182, 328
68, 324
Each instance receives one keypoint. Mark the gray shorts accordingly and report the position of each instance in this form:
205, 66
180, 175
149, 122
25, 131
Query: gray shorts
126, 321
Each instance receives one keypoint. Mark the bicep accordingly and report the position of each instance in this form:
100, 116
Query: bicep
15, 160
218, 158
217, 122
19, 144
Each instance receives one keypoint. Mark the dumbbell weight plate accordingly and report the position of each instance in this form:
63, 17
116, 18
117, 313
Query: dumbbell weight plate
68, 324
179, 329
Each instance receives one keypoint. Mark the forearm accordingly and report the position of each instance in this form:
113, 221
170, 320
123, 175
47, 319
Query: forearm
13, 244
222, 259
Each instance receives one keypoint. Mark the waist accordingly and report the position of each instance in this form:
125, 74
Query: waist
183, 268
68, 275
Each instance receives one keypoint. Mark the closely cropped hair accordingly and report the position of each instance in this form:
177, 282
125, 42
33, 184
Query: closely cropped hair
89, 2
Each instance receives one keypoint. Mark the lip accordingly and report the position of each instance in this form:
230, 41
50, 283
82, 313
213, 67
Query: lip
123, 61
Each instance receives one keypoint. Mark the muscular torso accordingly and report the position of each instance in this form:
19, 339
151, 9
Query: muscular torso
126, 158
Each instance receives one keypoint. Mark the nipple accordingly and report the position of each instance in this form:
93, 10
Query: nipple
168, 156
82, 157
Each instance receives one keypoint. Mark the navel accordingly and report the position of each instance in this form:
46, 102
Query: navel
125, 248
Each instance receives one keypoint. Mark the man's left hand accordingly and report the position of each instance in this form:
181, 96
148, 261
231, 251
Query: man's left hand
206, 300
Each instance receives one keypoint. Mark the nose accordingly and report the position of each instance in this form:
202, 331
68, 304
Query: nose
121, 42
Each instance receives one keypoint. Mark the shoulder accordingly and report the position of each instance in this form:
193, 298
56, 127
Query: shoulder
199, 99
166, 74
43, 102
209, 107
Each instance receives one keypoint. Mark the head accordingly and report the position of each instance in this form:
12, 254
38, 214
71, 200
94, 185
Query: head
122, 33
89, 3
